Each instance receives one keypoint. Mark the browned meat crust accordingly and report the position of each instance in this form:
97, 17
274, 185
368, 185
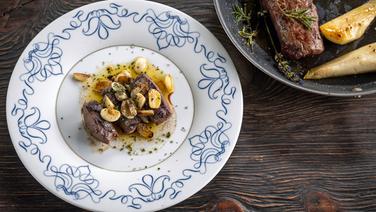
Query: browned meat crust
97, 127
296, 40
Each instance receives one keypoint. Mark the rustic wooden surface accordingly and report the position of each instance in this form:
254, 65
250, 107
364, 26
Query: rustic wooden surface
296, 151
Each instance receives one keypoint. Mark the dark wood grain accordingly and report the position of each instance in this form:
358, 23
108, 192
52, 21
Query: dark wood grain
296, 151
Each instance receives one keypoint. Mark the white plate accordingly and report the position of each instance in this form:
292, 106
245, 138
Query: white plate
43, 106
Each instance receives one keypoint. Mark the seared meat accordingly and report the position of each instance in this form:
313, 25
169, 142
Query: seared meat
296, 40
164, 111
94, 106
128, 125
161, 114
97, 127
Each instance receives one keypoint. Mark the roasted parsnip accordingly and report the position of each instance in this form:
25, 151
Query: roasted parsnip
362, 60
350, 26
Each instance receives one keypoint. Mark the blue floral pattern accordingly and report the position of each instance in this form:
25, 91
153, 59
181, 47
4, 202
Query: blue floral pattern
169, 30
43, 61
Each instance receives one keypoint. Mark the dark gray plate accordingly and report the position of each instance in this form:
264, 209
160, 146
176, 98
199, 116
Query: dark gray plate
262, 56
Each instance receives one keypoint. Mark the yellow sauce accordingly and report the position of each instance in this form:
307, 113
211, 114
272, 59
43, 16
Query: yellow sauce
153, 72
111, 71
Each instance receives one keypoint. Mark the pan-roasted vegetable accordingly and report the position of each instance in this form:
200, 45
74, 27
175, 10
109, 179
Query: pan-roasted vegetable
362, 60
350, 26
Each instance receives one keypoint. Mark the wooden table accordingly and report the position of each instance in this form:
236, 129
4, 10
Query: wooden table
296, 151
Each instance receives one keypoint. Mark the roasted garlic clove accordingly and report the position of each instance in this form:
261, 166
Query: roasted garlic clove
121, 96
101, 85
128, 109
169, 84
107, 102
117, 87
144, 130
140, 100
140, 88
135, 91
140, 65
144, 119
145, 112
127, 87
154, 99
110, 114
81, 77
124, 77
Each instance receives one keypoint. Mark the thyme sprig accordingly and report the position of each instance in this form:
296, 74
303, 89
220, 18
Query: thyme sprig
249, 32
282, 63
241, 14
248, 35
301, 15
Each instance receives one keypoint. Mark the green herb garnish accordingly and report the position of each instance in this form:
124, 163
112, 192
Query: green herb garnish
301, 15
249, 31
282, 64
241, 14
248, 35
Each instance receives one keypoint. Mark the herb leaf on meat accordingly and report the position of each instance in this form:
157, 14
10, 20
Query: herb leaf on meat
303, 16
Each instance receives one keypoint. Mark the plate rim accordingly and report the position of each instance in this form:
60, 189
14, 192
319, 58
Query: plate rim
209, 176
